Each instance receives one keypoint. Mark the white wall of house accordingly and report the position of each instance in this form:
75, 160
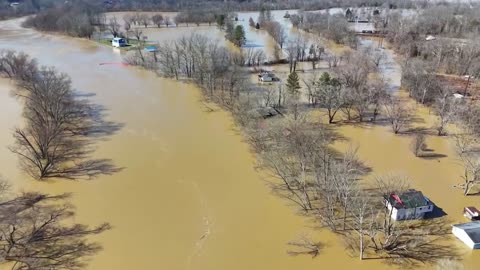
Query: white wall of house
463, 236
411, 213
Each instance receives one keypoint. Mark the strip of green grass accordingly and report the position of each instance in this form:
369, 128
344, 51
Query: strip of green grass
132, 43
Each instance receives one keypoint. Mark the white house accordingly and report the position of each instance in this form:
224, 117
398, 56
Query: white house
468, 233
119, 42
410, 204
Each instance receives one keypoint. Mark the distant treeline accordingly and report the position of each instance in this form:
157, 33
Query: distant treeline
77, 19
16, 8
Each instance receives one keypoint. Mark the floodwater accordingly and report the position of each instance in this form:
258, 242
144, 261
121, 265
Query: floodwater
189, 196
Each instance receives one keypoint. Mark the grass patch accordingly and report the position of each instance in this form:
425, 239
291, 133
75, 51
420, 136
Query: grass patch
132, 43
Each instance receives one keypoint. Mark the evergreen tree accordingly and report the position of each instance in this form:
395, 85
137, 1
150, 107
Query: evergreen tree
293, 87
239, 36
257, 26
293, 83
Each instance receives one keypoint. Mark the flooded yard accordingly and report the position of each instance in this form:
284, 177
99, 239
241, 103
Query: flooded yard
189, 196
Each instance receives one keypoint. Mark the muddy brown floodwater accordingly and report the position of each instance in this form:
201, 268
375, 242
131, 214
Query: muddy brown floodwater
189, 196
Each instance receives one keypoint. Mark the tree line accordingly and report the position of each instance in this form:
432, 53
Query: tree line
57, 139
334, 27
76, 19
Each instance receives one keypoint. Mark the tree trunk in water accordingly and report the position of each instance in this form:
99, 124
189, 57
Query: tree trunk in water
361, 244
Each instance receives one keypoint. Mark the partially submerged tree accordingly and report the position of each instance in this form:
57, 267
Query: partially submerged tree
38, 232
56, 140
157, 19
418, 145
397, 113
329, 95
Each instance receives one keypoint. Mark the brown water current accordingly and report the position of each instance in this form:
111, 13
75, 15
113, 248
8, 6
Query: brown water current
189, 196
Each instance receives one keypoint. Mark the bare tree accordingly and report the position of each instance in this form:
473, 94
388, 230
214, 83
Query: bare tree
304, 245
157, 19
329, 95
114, 27
18, 66
397, 113
56, 140
143, 19
333, 60
127, 22
471, 171
445, 107
137, 33
277, 31
167, 21
418, 145
361, 209
38, 233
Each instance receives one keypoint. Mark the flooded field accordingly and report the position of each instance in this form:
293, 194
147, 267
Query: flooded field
189, 196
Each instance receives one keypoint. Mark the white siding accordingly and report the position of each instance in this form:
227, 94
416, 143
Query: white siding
462, 235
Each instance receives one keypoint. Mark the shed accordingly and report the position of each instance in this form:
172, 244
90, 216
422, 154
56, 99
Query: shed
468, 233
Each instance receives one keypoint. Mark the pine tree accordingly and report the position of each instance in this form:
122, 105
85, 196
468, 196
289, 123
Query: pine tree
293, 83
239, 36
293, 87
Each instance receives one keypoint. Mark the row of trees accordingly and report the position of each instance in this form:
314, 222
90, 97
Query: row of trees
38, 230
455, 49
57, 137
77, 20
196, 57
252, 5
143, 19
325, 184
334, 27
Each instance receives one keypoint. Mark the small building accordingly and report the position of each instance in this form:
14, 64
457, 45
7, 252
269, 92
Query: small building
266, 77
410, 204
119, 42
429, 38
471, 213
468, 233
